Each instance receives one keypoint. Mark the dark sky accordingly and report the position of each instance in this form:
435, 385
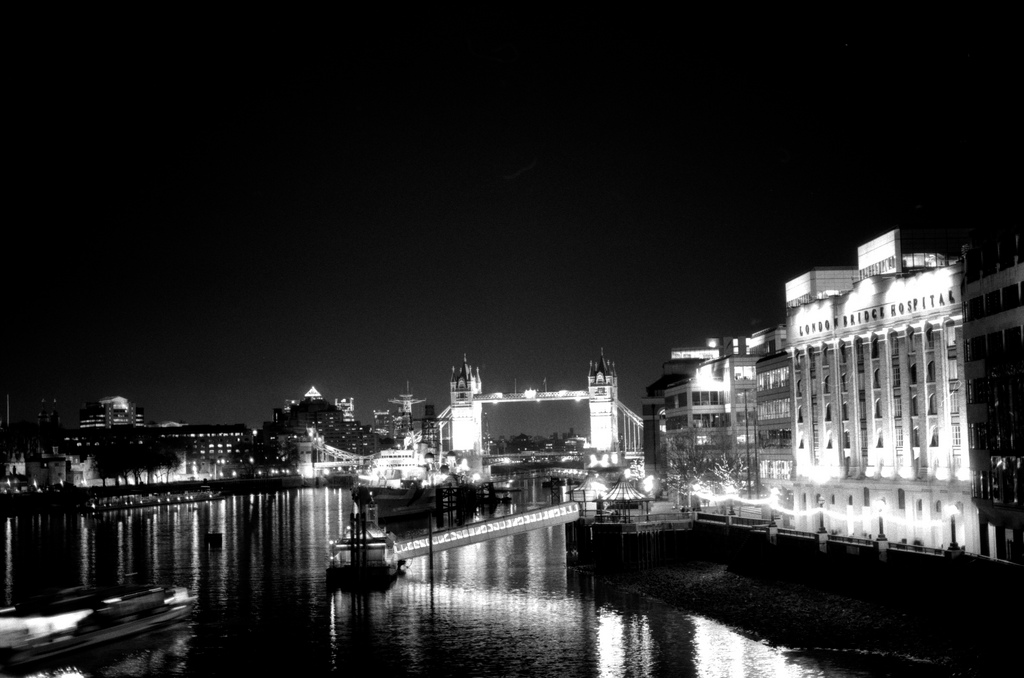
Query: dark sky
211, 224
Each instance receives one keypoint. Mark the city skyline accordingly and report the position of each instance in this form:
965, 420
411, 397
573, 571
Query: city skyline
359, 216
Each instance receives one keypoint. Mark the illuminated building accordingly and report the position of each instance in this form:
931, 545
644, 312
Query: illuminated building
465, 410
682, 365
431, 435
209, 451
994, 378
713, 400
109, 413
774, 418
879, 412
205, 450
603, 386
335, 424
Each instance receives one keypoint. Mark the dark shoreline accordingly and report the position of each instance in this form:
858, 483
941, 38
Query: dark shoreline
799, 617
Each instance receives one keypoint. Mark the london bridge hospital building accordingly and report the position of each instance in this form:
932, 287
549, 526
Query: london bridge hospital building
880, 428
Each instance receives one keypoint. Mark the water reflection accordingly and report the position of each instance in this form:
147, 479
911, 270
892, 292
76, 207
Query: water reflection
499, 608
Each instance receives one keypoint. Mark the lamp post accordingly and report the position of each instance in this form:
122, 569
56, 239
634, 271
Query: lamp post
746, 437
952, 510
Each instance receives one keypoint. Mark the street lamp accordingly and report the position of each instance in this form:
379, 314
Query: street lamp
879, 505
952, 510
746, 436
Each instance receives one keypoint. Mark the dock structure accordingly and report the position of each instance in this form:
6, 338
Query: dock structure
473, 533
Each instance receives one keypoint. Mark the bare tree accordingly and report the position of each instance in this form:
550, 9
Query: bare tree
702, 458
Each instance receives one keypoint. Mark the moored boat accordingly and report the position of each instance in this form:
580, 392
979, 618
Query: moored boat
68, 620
160, 499
365, 557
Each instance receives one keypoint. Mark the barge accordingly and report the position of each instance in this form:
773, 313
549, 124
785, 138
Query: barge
128, 501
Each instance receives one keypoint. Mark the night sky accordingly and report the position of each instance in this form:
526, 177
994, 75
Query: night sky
212, 224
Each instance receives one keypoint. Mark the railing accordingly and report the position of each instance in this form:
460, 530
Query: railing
852, 541
608, 517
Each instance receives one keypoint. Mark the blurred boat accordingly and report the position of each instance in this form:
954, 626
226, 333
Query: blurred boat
68, 620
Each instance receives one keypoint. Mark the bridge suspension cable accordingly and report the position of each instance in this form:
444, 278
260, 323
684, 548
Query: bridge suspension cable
335, 453
632, 429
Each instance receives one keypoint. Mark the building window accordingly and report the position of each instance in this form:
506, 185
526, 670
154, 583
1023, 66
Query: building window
878, 408
899, 437
875, 379
931, 404
825, 385
915, 439
976, 308
874, 347
913, 373
846, 412
931, 371
896, 376
897, 404
977, 391
978, 435
976, 348
955, 431
901, 499
880, 440
935, 437
913, 406
992, 303
828, 412
846, 440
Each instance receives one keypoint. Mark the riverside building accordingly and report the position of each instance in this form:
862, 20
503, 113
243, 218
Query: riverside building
994, 378
774, 425
879, 410
714, 401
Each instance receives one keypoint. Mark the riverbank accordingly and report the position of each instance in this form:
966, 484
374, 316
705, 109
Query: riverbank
788, 614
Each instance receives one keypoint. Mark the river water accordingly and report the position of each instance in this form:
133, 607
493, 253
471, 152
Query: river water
507, 607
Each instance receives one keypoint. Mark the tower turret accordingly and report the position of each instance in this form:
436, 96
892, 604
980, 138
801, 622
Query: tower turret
466, 413
603, 385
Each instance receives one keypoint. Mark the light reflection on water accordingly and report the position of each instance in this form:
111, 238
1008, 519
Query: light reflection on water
506, 607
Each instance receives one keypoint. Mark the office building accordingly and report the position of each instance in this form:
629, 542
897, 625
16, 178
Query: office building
879, 412
111, 412
994, 379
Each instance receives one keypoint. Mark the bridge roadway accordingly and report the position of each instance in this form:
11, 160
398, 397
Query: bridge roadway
474, 533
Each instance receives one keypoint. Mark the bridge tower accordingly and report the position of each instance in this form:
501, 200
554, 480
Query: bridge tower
465, 411
603, 385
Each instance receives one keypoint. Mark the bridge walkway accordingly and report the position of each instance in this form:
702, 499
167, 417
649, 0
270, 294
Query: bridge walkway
494, 528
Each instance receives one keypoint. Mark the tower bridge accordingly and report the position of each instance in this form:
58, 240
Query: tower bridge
614, 428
